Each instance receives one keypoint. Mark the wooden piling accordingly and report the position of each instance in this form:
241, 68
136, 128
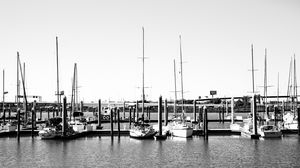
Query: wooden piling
166, 112
149, 117
232, 110
255, 135
275, 115
298, 113
48, 111
137, 111
41, 113
130, 117
19, 123
223, 112
99, 115
64, 116
118, 118
205, 123
134, 110
111, 123
33, 118
124, 110
9, 113
200, 117
115, 115
195, 110
160, 116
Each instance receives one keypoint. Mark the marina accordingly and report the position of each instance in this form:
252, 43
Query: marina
149, 83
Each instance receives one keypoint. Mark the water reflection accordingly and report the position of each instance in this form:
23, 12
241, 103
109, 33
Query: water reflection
218, 151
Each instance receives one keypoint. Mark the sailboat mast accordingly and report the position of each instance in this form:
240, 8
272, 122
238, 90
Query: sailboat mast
3, 95
295, 86
143, 80
175, 87
18, 82
76, 86
265, 86
278, 89
57, 77
181, 74
252, 68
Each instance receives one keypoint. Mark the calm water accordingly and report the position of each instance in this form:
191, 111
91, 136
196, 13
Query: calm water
218, 151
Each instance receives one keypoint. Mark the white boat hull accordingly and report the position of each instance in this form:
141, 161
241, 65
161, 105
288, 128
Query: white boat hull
182, 132
275, 134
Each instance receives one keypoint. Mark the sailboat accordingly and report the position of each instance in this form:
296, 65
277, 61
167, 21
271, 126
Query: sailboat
290, 119
140, 129
53, 129
178, 126
266, 130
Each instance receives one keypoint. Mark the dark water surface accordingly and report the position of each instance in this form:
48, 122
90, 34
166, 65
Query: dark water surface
217, 151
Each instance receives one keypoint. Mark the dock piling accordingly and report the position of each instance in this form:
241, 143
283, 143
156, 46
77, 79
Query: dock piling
166, 112
33, 118
19, 123
298, 113
137, 111
111, 123
160, 116
205, 123
48, 111
99, 115
195, 110
130, 117
64, 115
118, 118
124, 110
255, 135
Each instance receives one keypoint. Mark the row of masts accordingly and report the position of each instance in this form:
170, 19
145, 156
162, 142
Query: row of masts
292, 82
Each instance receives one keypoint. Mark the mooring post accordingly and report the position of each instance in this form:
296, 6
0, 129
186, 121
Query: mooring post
275, 115
4, 115
129, 117
200, 119
124, 110
115, 115
205, 123
219, 114
282, 111
298, 113
33, 118
134, 110
111, 123
19, 123
166, 112
53, 113
118, 118
232, 110
223, 112
149, 117
41, 113
160, 116
48, 111
255, 135
9, 113
137, 111
195, 111
147, 113
64, 116
99, 114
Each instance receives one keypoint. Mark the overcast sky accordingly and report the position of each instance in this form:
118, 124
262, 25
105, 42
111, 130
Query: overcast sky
104, 38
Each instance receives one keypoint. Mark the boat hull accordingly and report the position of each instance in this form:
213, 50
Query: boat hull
141, 135
182, 132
